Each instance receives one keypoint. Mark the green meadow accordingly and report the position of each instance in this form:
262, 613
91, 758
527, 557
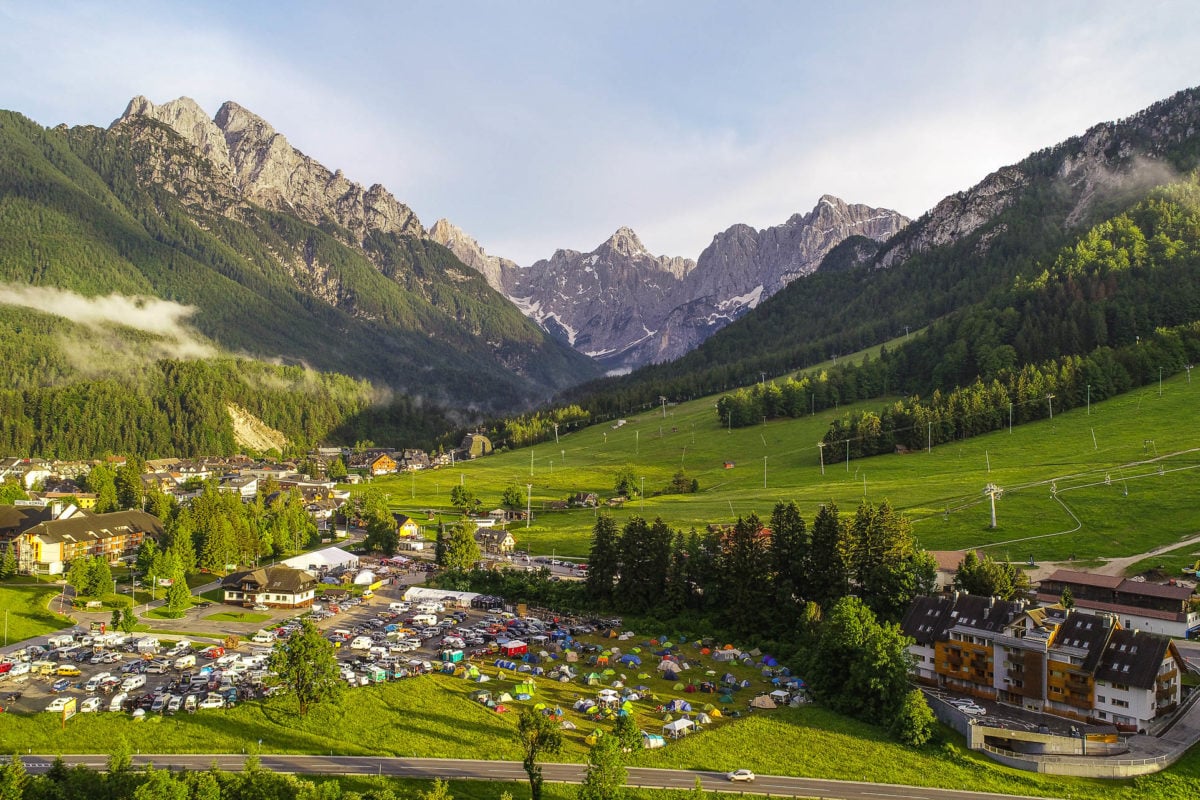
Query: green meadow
1116, 481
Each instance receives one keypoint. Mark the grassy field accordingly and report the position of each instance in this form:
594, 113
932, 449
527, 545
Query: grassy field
1116, 482
26, 610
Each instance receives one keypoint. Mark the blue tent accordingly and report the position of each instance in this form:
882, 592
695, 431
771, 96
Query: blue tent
679, 705
505, 664
630, 660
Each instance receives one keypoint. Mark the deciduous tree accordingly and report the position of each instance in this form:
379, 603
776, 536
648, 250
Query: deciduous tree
306, 664
539, 736
605, 776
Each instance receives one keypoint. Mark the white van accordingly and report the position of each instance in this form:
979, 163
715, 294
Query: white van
429, 608
117, 702
399, 608
132, 682
361, 643
94, 682
185, 662
264, 637
427, 620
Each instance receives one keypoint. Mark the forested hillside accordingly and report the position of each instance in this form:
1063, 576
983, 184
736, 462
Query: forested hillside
136, 212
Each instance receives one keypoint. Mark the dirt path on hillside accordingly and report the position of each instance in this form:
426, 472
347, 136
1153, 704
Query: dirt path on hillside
1111, 566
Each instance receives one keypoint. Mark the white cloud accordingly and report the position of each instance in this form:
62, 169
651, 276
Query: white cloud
163, 319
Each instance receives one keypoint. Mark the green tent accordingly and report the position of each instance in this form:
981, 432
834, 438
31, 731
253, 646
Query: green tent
525, 688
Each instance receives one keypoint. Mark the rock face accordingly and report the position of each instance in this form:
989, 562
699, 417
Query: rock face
469, 252
1111, 161
265, 169
625, 307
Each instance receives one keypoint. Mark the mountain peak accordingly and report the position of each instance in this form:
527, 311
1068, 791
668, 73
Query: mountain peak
232, 117
625, 242
267, 170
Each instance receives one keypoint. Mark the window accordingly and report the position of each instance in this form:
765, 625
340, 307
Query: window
1100, 698
1120, 703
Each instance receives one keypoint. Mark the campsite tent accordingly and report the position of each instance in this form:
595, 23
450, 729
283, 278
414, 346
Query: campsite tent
513, 648
652, 741
679, 705
677, 728
763, 701
364, 578
525, 688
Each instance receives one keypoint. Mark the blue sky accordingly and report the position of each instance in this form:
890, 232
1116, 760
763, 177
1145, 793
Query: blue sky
535, 126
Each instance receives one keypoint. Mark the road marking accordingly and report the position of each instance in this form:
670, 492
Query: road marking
884, 794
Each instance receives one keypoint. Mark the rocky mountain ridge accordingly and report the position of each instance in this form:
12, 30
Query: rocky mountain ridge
626, 307
264, 168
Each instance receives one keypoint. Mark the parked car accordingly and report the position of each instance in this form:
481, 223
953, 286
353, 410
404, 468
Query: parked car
90, 705
60, 685
212, 701
972, 709
741, 775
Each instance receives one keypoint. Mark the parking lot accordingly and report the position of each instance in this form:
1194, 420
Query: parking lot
380, 638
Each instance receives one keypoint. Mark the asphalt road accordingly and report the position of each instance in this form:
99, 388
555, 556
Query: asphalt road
457, 769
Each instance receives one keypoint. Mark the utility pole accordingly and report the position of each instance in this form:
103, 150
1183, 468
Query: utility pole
764, 472
556, 433
1188, 367
929, 439
528, 503
1089, 400
847, 455
664, 405
821, 452
1010, 418
1050, 400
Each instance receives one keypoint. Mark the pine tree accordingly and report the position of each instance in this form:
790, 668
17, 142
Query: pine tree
603, 560
827, 580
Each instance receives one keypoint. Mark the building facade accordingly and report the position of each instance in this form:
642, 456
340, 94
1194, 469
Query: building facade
1080, 666
1172, 610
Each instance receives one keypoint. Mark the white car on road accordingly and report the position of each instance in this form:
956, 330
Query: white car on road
741, 775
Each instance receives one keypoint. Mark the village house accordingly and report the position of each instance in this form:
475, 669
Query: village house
585, 500
496, 541
407, 527
276, 587
383, 464
244, 486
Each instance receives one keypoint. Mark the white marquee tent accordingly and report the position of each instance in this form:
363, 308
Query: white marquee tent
317, 560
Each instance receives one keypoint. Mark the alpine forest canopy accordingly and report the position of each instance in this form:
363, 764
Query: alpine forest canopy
136, 212
1018, 221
